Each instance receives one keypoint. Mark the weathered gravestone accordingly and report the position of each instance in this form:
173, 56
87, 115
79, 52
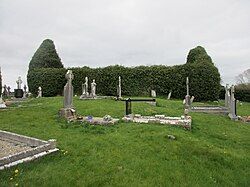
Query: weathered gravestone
119, 89
18, 92
25, 91
153, 93
187, 97
68, 110
39, 92
2, 104
93, 89
169, 95
5, 92
232, 105
8, 93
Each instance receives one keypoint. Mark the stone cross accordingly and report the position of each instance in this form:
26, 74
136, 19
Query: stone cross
68, 90
93, 88
19, 82
119, 88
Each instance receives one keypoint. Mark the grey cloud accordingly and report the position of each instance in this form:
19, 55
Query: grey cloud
129, 33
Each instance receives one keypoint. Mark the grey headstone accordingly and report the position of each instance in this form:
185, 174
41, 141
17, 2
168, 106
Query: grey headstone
68, 90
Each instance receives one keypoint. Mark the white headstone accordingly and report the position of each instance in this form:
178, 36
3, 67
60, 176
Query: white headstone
93, 88
19, 82
119, 88
153, 93
68, 90
39, 93
169, 95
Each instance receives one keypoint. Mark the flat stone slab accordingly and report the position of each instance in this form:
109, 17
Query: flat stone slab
99, 121
17, 149
160, 119
210, 109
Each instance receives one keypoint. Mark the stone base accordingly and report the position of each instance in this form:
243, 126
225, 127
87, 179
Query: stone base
184, 121
233, 117
68, 113
18, 93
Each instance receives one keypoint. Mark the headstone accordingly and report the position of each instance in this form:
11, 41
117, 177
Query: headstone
68, 111
192, 99
5, 92
18, 91
187, 97
85, 92
8, 93
93, 89
232, 107
25, 91
2, 103
169, 95
68, 90
39, 92
153, 93
227, 96
119, 89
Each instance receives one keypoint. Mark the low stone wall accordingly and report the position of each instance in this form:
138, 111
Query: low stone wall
210, 109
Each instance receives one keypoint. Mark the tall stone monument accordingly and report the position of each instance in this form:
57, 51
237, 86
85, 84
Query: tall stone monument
119, 88
19, 92
68, 110
24, 91
232, 114
8, 93
187, 97
5, 92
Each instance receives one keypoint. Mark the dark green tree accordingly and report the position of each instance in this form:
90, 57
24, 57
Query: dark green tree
198, 55
46, 56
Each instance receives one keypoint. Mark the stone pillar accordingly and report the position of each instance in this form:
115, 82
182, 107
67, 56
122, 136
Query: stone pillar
18, 92
187, 97
119, 91
232, 113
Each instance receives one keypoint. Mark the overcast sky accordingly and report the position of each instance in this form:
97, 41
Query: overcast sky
98, 33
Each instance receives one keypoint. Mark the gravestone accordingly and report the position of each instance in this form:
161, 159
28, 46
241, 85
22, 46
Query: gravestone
187, 97
119, 89
5, 92
8, 93
153, 93
18, 92
169, 95
85, 93
232, 106
39, 92
192, 100
68, 110
2, 104
25, 91
93, 89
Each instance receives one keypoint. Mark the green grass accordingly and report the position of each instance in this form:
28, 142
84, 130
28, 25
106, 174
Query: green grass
215, 153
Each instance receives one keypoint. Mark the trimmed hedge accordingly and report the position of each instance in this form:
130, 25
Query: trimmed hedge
242, 92
136, 81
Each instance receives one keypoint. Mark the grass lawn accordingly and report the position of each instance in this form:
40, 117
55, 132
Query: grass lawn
215, 153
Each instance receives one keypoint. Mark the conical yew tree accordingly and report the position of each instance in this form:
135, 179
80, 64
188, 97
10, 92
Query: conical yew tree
46, 56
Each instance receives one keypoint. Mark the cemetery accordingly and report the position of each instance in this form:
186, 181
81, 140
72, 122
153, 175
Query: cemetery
129, 126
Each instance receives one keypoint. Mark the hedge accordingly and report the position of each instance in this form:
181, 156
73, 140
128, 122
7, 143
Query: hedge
242, 92
136, 81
